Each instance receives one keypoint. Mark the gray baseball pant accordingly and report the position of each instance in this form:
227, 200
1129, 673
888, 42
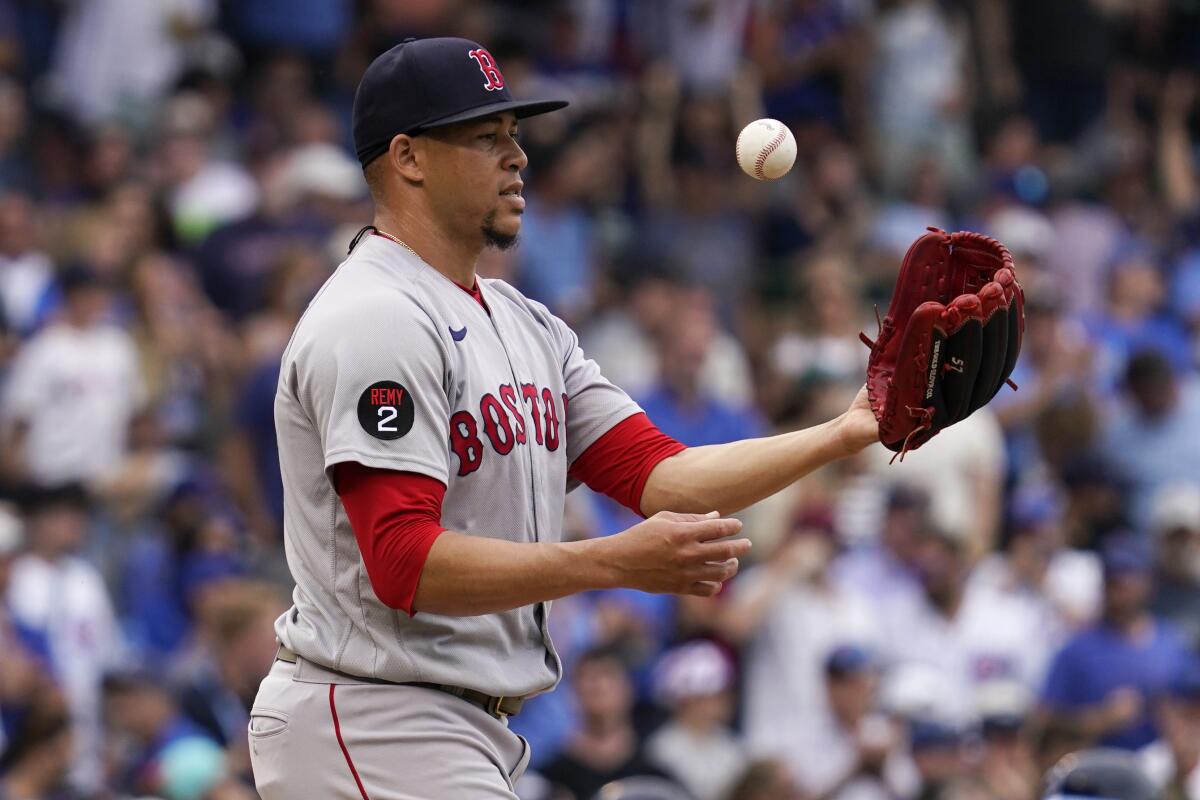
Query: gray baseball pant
318, 735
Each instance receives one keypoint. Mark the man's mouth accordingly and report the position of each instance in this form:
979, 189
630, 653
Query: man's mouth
513, 192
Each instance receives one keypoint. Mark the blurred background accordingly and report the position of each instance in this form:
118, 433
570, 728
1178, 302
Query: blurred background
176, 180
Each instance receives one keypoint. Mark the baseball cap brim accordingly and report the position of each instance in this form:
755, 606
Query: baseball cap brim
522, 108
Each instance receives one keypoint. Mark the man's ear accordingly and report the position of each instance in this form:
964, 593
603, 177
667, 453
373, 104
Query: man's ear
406, 155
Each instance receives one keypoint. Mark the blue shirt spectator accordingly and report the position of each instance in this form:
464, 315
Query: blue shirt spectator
1153, 436
1108, 678
1102, 660
256, 421
316, 26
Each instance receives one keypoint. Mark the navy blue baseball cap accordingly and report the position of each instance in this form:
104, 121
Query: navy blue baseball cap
424, 83
849, 659
1126, 554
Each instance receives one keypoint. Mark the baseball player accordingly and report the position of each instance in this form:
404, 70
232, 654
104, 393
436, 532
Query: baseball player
430, 424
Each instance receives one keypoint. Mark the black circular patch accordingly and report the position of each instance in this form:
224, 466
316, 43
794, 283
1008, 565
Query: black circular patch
386, 409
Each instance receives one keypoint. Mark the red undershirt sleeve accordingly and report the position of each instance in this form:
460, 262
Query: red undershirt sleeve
396, 516
619, 463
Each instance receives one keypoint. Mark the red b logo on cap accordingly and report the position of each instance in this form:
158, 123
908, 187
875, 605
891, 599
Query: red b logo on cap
487, 65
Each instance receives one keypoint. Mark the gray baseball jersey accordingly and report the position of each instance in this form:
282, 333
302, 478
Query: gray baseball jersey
395, 366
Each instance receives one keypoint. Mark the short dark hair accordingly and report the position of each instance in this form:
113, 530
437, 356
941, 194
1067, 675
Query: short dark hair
35, 499
36, 729
600, 654
1148, 368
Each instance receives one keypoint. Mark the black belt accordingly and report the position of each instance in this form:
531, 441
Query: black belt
498, 706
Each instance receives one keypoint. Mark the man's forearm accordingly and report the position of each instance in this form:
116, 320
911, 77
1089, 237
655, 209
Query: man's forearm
678, 553
729, 477
470, 575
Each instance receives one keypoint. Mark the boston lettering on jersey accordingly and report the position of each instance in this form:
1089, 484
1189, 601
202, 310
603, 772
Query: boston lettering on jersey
504, 416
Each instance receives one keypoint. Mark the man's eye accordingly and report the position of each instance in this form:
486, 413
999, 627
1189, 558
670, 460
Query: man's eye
491, 137
516, 136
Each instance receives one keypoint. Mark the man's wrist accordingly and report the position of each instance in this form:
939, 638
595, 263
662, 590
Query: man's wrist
595, 563
850, 438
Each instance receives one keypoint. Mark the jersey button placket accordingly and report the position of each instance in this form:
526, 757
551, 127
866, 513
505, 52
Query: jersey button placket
513, 363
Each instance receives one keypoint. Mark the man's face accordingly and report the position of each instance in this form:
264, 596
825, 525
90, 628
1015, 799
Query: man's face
1126, 593
603, 689
850, 696
59, 530
939, 566
472, 176
1154, 398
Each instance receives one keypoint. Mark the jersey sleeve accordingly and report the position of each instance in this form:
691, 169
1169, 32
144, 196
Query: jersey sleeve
374, 381
396, 517
619, 463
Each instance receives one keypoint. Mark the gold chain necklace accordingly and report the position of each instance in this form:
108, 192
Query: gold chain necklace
387, 235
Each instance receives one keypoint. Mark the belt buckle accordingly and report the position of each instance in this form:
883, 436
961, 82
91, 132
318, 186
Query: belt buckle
493, 706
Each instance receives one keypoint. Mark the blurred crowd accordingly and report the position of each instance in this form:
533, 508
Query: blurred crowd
176, 181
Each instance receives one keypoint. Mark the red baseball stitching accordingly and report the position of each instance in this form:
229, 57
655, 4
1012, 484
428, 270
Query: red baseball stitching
766, 152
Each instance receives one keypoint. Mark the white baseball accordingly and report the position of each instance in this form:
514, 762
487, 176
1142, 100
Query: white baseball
766, 149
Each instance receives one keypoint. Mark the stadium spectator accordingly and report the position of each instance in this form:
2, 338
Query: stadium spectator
607, 746
238, 646
938, 753
964, 635
766, 779
863, 750
1054, 368
142, 714
73, 391
1160, 417
1108, 678
679, 403
696, 745
1173, 761
1059, 585
1135, 321
148, 40
882, 569
24, 680
789, 616
918, 93
63, 599
558, 260
36, 765
1176, 532
1005, 767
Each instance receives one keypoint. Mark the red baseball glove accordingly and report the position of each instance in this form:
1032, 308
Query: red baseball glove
950, 338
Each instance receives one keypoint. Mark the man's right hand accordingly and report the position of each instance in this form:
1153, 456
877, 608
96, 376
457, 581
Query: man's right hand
676, 553
1122, 708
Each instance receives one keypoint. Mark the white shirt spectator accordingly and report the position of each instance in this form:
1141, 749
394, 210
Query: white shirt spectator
68, 602
917, 89
960, 469
77, 390
784, 666
707, 766
1070, 592
839, 753
116, 52
991, 636
704, 40
627, 357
